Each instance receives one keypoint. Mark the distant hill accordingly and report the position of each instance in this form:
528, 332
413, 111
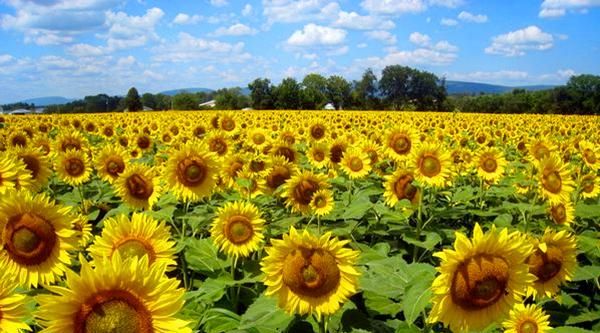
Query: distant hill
48, 100
188, 90
461, 87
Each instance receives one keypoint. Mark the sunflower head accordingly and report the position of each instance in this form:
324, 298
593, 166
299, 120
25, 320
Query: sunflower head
555, 180
399, 186
111, 162
562, 213
73, 167
322, 202
527, 319
237, 229
432, 165
356, 163
300, 189
309, 274
490, 164
399, 142
13, 308
138, 186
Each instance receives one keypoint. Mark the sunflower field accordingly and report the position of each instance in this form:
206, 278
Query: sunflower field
299, 221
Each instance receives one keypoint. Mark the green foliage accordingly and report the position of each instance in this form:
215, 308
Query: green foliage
133, 102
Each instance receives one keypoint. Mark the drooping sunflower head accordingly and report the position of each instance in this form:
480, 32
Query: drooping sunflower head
431, 164
337, 148
13, 307
111, 162
399, 186
237, 229
555, 180
527, 319
115, 295
281, 148
73, 167
136, 237
481, 279
300, 189
36, 238
553, 262
356, 163
590, 155
322, 202
138, 186
310, 274
191, 171
399, 142
279, 172
562, 213
490, 164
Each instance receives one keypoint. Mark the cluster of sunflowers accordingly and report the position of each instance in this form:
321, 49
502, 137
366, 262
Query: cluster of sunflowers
101, 216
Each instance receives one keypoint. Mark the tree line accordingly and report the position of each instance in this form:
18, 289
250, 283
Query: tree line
398, 88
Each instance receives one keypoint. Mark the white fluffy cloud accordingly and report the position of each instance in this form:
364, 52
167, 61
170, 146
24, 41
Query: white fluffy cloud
219, 3
489, 76
189, 48
312, 35
448, 22
382, 35
352, 20
248, 10
424, 41
475, 18
419, 39
290, 11
394, 7
556, 8
183, 19
516, 43
447, 3
237, 29
132, 31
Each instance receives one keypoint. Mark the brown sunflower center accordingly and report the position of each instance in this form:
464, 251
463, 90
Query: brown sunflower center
19, 140
311, 272
257, 165
191, 171
400, 143
74, 166
115, 166
355, 164
590, 156
546, 265
552, 181
278, 176
373, 156
404, 189
113, 311
489, 164
559, 213
228, 124
541, 152
218, 146
303, 192
430, 166
320, 201
258, 138
587, 184
29, 239
317, 132
528, 326
319, 155
139, 187
136, 248
238, 229
286, 152
69, 144
480, 282
32, 164
143, 142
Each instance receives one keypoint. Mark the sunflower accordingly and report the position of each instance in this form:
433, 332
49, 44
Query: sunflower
399, 186
9, 170
73, 167
372, 150
356, 163
13, 309
83, 231
527, 319
562, 213
257, 164
399, 141
138, 186
18, 139
218, 143
231, 167
540, 149
553, 262
257, 138
590, 155
237, 229
299, 190
555, 179
286, 150
317, 131
317, 154
337, 148
111, 162
136, 237
432, 165
590, 188
322, 202
250, 185
191, 171
36, 238
279, 172
490, 164
37, 164
481, 279
70, 140
117, 295
144, 142
310, 274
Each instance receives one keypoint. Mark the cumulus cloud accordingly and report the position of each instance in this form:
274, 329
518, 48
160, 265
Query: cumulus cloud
127, 31
312, 35
557, 8
419, 39
394, 7
291, 11
516, 43
352, 20
447, 3
474, 18
189, 48
248, 10
382, 35
184, 19
219, 3
448, 22
237, 29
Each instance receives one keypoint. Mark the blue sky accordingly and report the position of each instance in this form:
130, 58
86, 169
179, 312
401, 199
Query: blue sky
74, 48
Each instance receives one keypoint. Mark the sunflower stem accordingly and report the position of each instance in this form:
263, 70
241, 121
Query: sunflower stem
319, 225
235, 291
419, 225
323, 325
83, 210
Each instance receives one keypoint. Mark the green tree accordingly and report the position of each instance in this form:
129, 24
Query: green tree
261, 94
149, 100
230, 99
313, 95
185, 101
133, 101
287, 94
395, 85
366, 91
338, 91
